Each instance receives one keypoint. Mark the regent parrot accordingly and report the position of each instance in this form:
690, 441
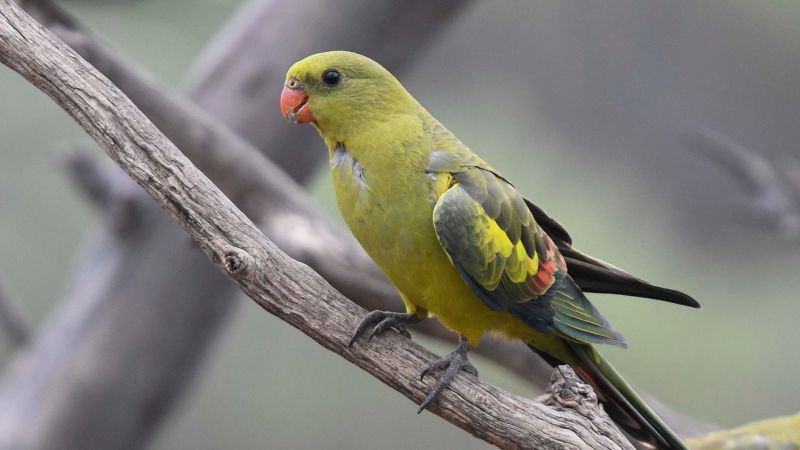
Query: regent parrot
455, 237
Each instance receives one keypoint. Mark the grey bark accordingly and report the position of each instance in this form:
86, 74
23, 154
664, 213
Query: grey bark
279, 284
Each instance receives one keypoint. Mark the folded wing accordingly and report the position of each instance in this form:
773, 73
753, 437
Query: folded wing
490, 235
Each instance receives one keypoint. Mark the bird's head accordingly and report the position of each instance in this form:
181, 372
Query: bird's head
342, 92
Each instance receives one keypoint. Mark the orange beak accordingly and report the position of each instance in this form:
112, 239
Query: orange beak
294, 103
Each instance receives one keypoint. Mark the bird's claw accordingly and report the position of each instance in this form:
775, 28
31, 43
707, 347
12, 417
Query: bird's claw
453, 363
385, 320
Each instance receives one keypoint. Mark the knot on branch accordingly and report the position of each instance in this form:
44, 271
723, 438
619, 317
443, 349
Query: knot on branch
236, 262
566, 390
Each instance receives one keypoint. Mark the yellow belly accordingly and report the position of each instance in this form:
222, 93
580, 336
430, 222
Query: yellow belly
394, 225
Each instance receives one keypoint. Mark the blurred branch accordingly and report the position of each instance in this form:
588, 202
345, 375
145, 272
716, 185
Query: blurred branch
282, 286
778, 433
11, 322
111, 194
769, 190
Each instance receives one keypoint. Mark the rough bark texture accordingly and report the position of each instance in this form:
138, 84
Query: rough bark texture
286, 288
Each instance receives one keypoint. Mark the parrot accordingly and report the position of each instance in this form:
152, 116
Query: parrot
457, 240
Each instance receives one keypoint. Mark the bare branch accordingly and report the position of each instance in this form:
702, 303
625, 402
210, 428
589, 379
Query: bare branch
770, 196
11, 322
280, 285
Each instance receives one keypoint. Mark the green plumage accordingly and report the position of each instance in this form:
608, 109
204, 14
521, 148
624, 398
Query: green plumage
458, 240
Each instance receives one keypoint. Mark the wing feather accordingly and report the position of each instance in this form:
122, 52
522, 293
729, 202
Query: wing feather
491, 237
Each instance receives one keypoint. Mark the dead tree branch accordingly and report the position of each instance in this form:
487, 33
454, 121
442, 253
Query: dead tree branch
280, 285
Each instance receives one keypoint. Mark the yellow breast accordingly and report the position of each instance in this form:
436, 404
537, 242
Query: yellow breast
391, 217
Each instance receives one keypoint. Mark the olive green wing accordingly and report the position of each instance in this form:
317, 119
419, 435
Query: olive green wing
490, 235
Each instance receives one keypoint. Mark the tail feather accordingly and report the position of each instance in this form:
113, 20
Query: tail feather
620, 401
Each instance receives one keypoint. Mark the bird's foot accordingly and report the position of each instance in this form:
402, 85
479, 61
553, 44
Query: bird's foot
454, 362
384, 320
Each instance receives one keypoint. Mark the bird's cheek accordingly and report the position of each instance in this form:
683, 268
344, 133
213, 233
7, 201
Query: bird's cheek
295, 107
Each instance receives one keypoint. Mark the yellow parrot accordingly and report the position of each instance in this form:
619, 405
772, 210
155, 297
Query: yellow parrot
455, 237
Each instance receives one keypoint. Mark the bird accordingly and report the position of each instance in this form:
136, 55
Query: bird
457, 240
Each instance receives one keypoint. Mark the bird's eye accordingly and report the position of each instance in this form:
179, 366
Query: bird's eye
331, 77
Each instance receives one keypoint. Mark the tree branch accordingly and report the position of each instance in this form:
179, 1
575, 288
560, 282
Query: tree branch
280, 285
771, 191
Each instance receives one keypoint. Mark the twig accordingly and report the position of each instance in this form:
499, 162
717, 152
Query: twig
280, 285
11, 322
770, 195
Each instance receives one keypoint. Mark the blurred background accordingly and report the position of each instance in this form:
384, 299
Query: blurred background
586, 107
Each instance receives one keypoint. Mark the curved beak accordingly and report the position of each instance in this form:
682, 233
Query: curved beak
294, 103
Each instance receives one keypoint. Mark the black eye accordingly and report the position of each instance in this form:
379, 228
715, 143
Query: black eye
331, 77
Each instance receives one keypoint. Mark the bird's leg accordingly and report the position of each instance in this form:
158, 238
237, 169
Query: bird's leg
384, 320
454, 362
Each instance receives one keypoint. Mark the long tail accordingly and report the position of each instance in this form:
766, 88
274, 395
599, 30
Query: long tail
619, 399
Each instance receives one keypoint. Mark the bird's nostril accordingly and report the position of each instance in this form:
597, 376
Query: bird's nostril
294, 83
